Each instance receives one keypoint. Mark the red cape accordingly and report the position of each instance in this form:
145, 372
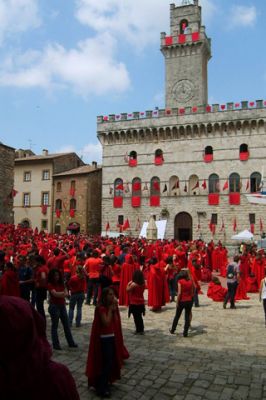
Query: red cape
216, 292
158, 292
94, 360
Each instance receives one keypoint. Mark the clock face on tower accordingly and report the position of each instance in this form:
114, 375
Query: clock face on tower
183, 91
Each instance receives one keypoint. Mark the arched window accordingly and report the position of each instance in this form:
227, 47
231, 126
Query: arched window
183, 26
234, 183
58, 187
58, 204
255, 182
208, 154
174, 185
118, 193
155, 192
73, 204
214, 185
155, 186
243, 152
194, 184
136, 187
133, 159
118, 187
136, 192
72, 188
158, 157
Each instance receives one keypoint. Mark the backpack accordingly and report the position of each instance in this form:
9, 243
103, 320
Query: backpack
230, 271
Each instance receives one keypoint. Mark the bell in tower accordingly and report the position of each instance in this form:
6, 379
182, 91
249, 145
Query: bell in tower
187, 51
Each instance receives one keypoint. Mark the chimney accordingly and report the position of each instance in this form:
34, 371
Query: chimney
45, 152
94, 164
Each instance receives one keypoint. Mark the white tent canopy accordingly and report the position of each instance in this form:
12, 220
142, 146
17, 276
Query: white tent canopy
245, 235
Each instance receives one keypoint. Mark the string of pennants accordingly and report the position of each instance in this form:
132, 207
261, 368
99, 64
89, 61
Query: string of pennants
181, 111
212, 227
138, 186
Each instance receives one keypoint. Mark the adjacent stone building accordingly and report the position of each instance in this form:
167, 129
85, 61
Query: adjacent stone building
33, 204
77, 200
191, 162
7, 190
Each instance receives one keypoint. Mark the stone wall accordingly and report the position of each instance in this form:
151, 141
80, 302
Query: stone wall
7, 159
183, 151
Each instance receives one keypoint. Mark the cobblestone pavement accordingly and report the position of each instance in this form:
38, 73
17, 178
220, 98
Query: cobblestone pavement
223, 358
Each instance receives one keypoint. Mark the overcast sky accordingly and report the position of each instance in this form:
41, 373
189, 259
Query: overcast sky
63, 62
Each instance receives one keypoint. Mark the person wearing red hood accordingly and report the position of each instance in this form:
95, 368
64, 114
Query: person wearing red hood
26, 368
158, 292
127, 270
9, 284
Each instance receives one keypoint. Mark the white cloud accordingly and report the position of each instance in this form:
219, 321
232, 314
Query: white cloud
88, 69
138, 22
17, 16
242, 16
90, 152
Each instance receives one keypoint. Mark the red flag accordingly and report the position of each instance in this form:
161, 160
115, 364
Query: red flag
72, 192
165, 188
72, 212
58, 213
185, 188
261, 225
145, 187
120, 187
223, 227
138, 225
126, 225
136, 186
234, 225
110, 190
44, 209
252, 228
204, 184
210, 225
213, 229
107, 227
13, 193
247, 185
198, 229
156, 186
196, 186
226, 185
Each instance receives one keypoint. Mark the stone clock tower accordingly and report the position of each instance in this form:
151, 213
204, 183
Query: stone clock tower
187, 51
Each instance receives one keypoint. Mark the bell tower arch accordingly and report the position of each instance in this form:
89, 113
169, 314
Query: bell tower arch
186, 51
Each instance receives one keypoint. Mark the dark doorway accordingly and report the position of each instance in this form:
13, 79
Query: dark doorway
183, 226
57, 229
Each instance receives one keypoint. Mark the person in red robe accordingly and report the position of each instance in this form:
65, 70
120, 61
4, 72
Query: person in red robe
26, 368
127, 270
259, 268
158, 292
252, 285
9, 284
216, 291
106, 350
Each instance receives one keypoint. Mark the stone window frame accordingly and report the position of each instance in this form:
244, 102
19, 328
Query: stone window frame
73, 204
46, 174
234, 183
58, 202
254, 182
214, 219
46, 223
45, 198
25, 173
214, 183
26, 195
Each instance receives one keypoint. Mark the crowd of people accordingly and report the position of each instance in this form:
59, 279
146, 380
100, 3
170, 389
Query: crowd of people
107, 273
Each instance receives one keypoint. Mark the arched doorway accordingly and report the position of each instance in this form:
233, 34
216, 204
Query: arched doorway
183, 226
57, 228
25, 223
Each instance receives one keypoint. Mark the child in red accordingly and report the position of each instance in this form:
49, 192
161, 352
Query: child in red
135, 289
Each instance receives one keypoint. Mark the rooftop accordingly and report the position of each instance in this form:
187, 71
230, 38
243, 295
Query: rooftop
85, 169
